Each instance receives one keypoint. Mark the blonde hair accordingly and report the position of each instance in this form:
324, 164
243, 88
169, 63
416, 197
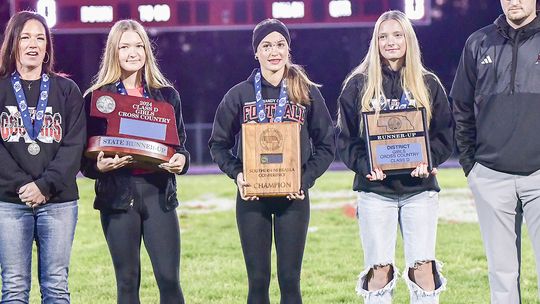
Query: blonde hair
109, 68
413, 72
298, 83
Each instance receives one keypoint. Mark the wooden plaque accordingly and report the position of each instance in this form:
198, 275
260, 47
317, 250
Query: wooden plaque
397, 141
271, 158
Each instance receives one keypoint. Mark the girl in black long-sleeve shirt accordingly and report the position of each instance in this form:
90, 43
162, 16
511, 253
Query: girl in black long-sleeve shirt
287, 216
137, 204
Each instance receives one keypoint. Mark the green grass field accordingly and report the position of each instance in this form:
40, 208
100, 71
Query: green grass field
212, 263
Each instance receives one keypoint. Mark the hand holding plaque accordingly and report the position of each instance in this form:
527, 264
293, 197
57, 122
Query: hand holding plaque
422, 171
140, 127
397, 140
242, 185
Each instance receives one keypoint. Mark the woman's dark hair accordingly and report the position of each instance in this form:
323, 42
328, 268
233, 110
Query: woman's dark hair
10, 45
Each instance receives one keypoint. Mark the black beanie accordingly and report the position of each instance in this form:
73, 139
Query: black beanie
266, 27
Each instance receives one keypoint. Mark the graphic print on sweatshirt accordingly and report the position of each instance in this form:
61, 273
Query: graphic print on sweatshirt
12, 127
293, 111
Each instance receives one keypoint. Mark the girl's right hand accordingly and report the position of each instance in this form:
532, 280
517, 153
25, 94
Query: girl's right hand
242, 184
376, 175
106, 164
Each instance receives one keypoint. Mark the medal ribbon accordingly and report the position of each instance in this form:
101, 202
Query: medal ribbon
282, 102
404, 102
122, 89
31, 129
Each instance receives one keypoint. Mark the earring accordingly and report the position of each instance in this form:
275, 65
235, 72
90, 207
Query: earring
48, 58
256, 58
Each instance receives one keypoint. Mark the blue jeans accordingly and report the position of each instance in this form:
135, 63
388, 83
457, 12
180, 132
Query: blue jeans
378, 220
52, 226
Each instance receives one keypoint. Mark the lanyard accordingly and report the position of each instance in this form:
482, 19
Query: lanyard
280, 109
404, 102
122, 89
31, 129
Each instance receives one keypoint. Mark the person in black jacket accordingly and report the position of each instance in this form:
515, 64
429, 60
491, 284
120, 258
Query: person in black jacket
496, 100
42, 124
391, 77
287, 216
137, 204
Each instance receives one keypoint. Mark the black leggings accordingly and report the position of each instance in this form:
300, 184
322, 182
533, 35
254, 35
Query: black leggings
290, 223
161, 234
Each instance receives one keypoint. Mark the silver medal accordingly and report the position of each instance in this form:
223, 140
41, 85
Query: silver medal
33, 149
105, 104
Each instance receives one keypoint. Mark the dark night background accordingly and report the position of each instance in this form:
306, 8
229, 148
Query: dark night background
204, 65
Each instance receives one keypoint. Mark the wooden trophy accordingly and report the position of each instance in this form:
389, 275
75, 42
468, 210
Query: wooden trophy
271, 158
137, 126
397, 140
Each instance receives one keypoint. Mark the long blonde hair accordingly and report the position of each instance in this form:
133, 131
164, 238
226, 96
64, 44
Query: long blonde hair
298, 83
109, 68
413, 72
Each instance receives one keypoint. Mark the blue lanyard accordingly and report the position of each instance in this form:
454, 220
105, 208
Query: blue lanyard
282, 102
31, 129
122, 89
404, 101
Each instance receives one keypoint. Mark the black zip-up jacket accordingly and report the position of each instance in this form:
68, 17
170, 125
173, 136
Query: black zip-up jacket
352, 144
496, 96
61, 140
114, 189
317, 142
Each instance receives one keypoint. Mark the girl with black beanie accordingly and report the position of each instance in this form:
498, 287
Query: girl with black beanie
286, 217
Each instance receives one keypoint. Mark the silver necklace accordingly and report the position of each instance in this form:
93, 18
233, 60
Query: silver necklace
28, 83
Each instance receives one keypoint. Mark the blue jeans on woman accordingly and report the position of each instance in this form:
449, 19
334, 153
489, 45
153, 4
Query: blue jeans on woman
378, 220
52, 226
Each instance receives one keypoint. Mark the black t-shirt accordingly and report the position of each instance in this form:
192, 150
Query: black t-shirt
31, 94
61, 141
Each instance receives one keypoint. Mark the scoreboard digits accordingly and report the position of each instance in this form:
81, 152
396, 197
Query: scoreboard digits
75, 16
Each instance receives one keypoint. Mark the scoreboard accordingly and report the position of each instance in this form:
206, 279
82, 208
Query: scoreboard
78, 16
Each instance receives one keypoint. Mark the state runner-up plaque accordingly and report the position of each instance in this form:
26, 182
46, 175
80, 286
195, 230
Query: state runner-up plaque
137, 126
397, 140
271, 158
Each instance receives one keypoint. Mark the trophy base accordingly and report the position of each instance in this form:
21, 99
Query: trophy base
146, 154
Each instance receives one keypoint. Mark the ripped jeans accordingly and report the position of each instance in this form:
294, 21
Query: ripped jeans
378, 218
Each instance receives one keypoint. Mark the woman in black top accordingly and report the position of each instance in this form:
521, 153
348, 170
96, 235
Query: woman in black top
287, 217
42, 124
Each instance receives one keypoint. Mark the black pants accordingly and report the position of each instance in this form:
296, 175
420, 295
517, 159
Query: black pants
146, 220
289, 221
